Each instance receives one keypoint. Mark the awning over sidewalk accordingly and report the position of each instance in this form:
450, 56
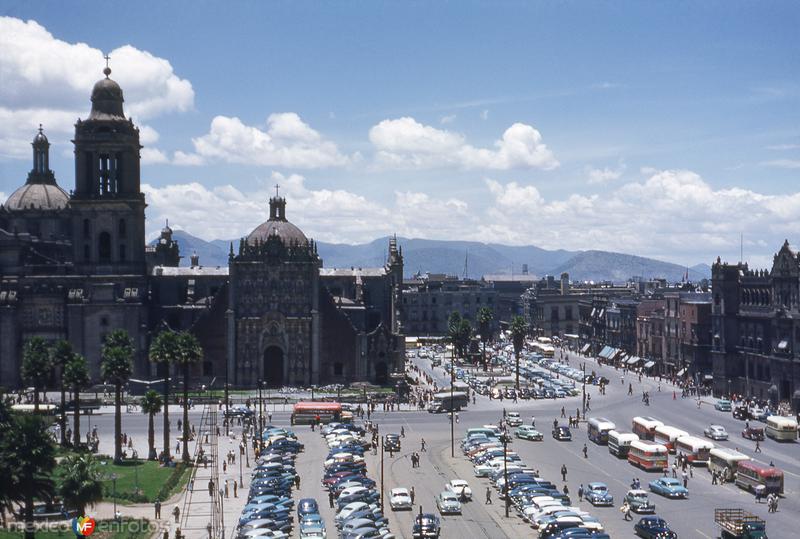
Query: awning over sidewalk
585, 348
606, 352
634, 360
680, 372
649, 364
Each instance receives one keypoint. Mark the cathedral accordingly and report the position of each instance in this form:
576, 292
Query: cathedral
76, 266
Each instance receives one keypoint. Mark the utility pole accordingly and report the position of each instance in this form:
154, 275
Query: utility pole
382, 440
583, 368
227, 408
452, 404
505, 469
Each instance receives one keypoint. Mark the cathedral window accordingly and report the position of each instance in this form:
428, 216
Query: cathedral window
104, 247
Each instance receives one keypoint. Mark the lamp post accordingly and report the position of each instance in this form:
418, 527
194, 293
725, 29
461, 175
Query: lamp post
260, 409
452, 404
382, 440
505, 468
246, 455
583, 368
227, 408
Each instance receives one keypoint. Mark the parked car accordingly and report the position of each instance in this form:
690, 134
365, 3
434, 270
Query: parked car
513, 419
238, 411
447, 503
562, 433
426, 526
639, 502
526, 432
306, 506
723, 405
716, 432
460, 488
653, 527
400, 499
391, 442
669, 487
753, 433
597, 494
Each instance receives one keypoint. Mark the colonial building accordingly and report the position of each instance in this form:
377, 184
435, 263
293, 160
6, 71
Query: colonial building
75, 266
755, 343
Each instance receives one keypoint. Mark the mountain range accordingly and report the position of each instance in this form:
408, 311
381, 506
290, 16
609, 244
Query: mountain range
471, 258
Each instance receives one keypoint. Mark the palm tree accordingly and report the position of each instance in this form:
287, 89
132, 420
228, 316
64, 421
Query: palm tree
116, 367
60, 354
485, 317
28, 445
81, 482
76, 377
189, 352
36, 366
518, 331
164, 350
454, 330
151, 404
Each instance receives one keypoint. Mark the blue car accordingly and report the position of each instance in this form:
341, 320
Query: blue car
597, 494
669, 487
306, 506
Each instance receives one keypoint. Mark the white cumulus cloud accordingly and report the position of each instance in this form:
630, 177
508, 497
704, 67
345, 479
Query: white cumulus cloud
405, 142
604, 175
287, 142
47, 80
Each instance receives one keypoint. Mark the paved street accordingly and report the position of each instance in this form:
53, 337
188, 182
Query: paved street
690, 518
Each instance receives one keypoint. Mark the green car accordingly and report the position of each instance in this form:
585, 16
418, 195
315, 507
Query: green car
723, 405
526, 432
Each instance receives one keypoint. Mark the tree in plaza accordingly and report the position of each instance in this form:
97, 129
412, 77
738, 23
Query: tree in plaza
151, 404
189, 352
60, 354
36, 366
164, 350
459, 332
28, 449
485, 317
81, 482
76, 377
518, 331
116, 367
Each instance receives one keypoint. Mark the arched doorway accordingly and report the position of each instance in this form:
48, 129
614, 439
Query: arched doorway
273, 366
381, 373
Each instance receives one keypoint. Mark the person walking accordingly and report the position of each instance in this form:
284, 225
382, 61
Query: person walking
563, 472
580, 493
585, 452
758, 447
297, 481
177, 514
563, 412
330, 498
685, 480
235, 489
157, 507
413, 495
226, 489
488, 496
422, 444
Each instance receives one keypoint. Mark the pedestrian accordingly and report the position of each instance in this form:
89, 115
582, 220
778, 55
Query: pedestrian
422, 444
177, 514
157, 507
211, 488
224, 467
580, 493
413, 495
625, 510
585, 452
297, 481
269, 417
685, 480
758, 447
674, 470
563, 472
330, 498
402, 432
488, 496
713, 477
165, 535
563, 412
235, 489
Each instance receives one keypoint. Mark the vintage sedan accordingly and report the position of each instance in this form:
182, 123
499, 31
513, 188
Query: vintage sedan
669, 488
639, 502
597, 494
723, 405
561, 433
400, 499
753, 433
526, 432
513, 419
716, 432
653, 527
447, 503
460, 488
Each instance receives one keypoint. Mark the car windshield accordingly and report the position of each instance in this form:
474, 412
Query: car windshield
601, 488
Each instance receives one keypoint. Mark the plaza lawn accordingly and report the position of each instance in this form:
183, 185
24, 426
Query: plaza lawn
106, 529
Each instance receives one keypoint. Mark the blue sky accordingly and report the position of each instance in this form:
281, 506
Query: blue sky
658, 128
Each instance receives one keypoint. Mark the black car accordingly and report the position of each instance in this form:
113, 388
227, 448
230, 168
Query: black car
426, 526
742, 413
238, 411
654, 527
562, 433
391, 442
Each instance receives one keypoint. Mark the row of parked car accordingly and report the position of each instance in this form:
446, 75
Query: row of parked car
536, 500
357, 502
268, 512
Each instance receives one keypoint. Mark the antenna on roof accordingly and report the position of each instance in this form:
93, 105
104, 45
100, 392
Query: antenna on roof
741, 247
466, 264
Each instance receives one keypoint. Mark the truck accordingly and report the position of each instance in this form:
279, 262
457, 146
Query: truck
740, 524
445, 402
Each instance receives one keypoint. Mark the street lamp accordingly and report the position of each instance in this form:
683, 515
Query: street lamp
382, 444
452, 404
227, 408
583, 368
260, 408
505, 468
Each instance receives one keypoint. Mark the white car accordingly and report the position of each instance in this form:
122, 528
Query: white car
716, 432
513, 419
399, 499
459, 487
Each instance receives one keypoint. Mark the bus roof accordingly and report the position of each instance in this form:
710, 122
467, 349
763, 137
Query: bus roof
762, 469
726, 453
647, 421
623, 436
672, 432
782, 421
647, 445
601, 422
694, 441
309, 406
446, 395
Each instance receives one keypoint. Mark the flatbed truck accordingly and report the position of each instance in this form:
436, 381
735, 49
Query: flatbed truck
740, 524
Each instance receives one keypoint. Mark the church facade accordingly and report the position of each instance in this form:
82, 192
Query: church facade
76, 266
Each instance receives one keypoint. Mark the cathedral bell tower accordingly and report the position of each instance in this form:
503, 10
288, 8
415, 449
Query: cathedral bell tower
108, 222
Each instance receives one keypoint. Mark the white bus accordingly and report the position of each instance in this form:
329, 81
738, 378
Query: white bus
666, 435
648, 455
725, 461
619, 443
781, 428
598, 429
645, 427
695, 449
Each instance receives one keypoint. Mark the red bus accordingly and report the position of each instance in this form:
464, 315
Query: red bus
749, 475
305, 413
648, 455
645, 427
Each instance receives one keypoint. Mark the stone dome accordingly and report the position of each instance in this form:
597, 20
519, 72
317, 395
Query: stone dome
40, 196
277, 225
107, 99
